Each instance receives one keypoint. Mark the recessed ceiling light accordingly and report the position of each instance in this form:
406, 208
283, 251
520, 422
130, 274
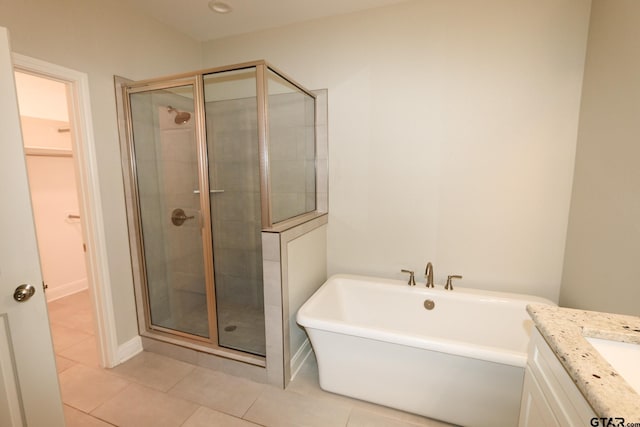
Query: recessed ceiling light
219, 6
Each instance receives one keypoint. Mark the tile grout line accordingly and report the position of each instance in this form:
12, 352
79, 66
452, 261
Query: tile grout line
251, 406
109, 399
352, 407
197, 407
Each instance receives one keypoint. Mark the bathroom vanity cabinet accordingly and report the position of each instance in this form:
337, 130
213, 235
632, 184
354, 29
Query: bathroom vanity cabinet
549, 396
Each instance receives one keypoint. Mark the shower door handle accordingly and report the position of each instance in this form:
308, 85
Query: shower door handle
210, 191
178, 217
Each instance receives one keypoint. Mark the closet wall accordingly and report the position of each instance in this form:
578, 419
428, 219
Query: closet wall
49, 157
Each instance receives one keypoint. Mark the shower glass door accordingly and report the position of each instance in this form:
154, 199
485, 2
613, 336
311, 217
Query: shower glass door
167, 177
231, 115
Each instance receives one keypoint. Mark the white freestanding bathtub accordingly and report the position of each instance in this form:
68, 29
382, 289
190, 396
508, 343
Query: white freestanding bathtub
462, 361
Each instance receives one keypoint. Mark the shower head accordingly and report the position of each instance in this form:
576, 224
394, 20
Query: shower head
182, 117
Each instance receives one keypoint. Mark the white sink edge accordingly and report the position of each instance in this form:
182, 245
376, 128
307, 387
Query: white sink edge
622, 356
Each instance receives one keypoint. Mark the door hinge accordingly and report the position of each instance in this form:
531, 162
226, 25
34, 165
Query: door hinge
84, 247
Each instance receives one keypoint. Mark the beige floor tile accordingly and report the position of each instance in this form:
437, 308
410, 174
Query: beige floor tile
73, 312
72, 318
73, 303
58, 312
219, 391
311, 388
395, 414
306, 381
153, 370
81, 300
75, 418
114, 397
64, 337
362, 418
282, 408
205, 417
85, 352
86, 388
139, 406
62, 364
54, 305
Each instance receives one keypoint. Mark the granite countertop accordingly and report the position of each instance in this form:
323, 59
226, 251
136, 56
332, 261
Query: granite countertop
564, 330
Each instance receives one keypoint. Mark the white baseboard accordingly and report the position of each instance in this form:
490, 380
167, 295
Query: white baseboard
60, 291
129, 349
298, 359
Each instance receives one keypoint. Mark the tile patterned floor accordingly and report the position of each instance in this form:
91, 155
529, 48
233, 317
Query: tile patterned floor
154, 390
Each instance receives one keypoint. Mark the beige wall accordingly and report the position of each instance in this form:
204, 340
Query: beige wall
306, 272
102, 39
42, 98
54, 196
452, 130
601, 269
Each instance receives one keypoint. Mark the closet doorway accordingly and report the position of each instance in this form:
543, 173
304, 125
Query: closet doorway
46, 116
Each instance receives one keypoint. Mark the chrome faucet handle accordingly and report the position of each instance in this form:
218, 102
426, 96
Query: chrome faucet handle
428, 273
412, 278
449, 285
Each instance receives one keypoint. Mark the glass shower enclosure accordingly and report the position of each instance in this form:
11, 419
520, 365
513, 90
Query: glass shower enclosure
212, 159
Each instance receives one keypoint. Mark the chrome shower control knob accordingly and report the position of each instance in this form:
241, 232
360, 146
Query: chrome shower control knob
23, 293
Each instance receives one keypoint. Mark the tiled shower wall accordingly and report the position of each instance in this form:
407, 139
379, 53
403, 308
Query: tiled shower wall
166, 159
183, 245
292, 155
233, 170
232, 137
234, 167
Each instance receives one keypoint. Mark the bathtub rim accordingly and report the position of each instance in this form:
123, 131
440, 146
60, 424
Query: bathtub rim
421, 288
454, 347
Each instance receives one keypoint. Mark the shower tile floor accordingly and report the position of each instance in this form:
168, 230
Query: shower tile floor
240, 327
154, 390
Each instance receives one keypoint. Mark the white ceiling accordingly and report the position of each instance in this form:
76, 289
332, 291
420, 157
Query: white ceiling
194, 18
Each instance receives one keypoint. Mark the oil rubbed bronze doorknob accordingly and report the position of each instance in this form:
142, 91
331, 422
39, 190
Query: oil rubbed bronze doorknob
178, 217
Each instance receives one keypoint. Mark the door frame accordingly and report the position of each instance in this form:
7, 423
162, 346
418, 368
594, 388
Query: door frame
90, 201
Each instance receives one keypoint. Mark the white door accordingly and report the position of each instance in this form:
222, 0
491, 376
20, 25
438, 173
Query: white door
29, 390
